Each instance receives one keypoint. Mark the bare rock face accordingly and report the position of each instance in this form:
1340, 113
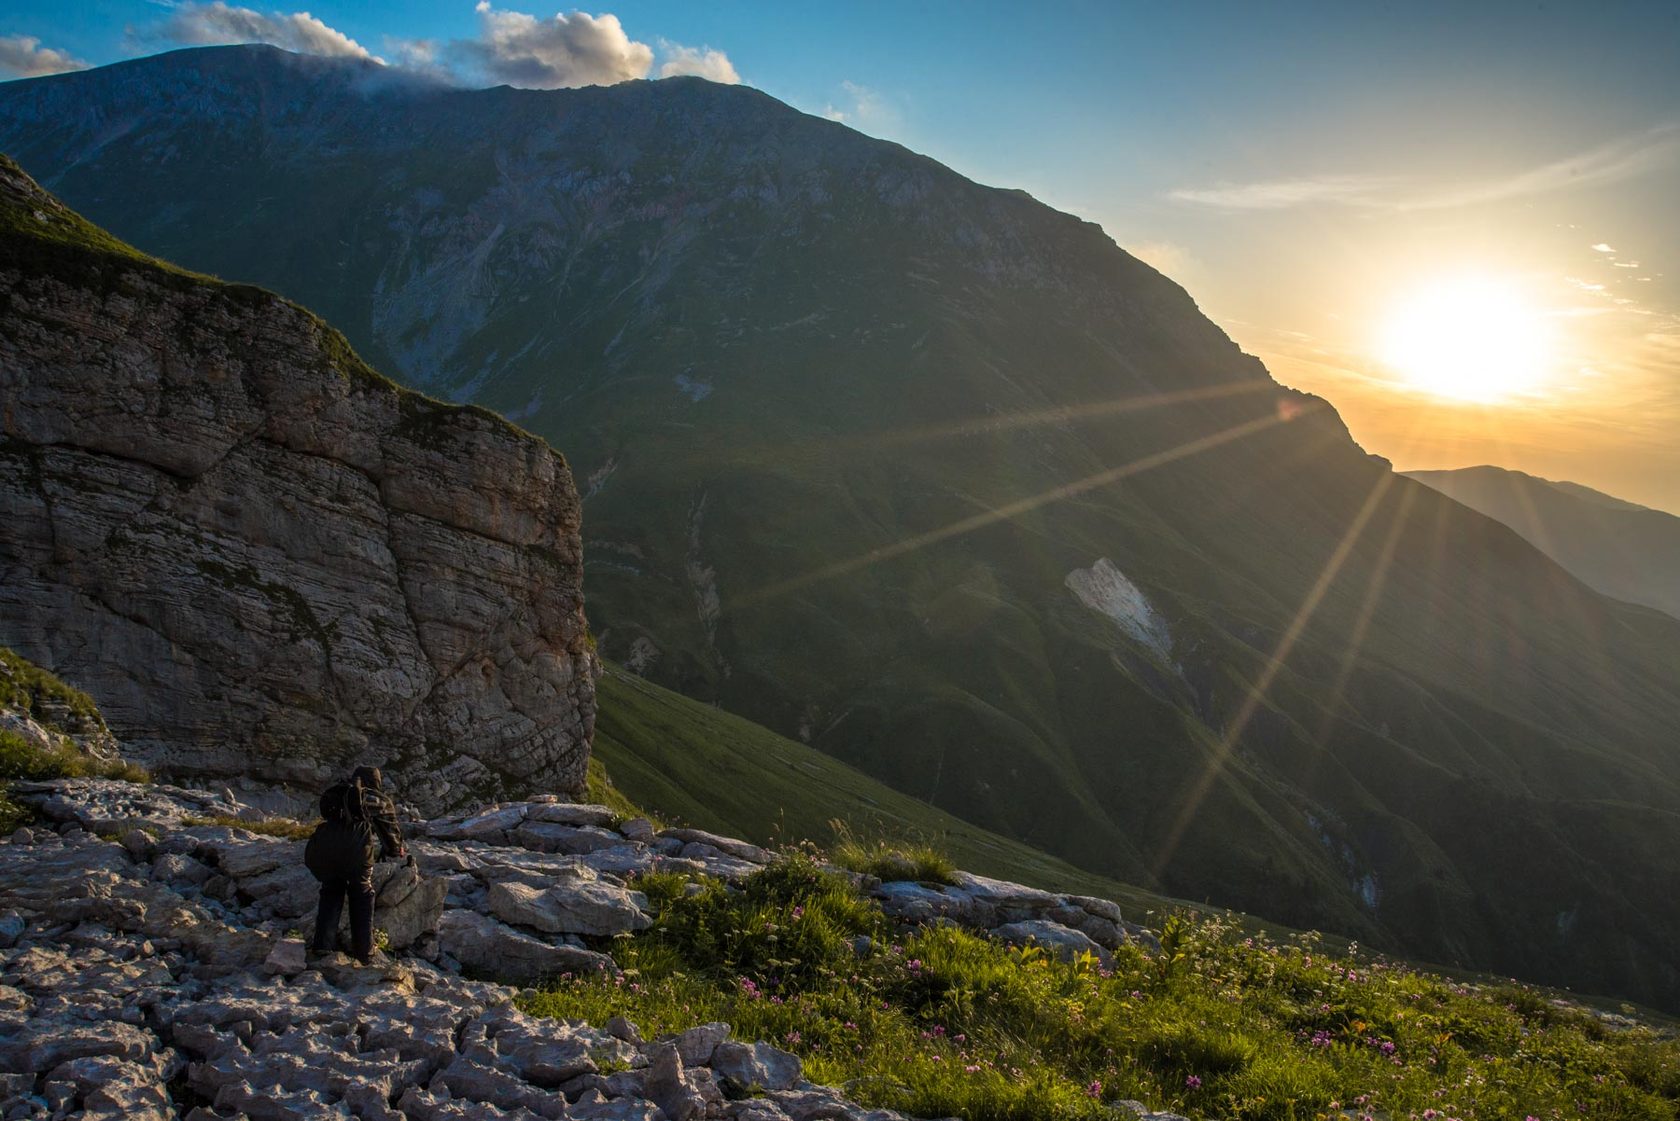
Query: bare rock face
262, 559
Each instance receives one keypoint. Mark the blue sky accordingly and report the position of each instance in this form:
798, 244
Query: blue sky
1300, 169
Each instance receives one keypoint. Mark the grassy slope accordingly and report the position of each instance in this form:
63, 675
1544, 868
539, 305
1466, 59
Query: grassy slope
688, 761
942, 1022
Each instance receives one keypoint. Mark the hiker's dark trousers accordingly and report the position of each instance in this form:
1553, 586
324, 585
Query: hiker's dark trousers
333, 895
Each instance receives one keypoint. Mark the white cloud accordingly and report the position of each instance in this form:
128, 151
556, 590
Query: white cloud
23, 56
1278, 194
1601, 247
701, 62
1609, 163
575, 50
197, 24
511, 48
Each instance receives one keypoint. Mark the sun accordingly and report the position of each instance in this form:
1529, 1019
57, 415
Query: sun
1470, 338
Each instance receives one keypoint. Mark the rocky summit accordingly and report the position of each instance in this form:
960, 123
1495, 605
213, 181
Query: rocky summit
152, 966
262, 558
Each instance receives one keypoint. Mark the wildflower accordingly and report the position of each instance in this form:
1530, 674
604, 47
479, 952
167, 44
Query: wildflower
971, 1068
1094, 1090
1192, 1081
793, 1037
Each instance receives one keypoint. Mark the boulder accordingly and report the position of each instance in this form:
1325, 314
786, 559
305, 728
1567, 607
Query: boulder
574, 813
579, 904
743, 1067
491, 948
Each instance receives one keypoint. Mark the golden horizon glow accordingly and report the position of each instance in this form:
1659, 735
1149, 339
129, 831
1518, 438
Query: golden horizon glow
1469, 338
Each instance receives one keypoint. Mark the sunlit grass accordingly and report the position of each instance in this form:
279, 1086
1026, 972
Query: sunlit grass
945, 1022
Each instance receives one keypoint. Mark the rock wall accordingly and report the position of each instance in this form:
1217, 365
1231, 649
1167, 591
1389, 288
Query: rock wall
263, 560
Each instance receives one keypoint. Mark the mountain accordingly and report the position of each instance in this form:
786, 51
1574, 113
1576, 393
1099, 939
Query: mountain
946, 485
268, 562
1624, 550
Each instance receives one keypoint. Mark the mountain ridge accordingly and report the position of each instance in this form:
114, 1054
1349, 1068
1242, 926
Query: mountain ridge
1620, 548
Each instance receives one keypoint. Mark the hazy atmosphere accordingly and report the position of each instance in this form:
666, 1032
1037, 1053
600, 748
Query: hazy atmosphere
1516, 162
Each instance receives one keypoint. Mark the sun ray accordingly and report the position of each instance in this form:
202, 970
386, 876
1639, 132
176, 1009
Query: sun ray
1063, 414
1274, 665
1013, 509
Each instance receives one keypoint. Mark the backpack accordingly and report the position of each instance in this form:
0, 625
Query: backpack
343, 846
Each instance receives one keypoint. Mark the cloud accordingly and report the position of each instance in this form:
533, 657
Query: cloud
700, 62
1278, 194
215, 23
1609, 163
23, 56
864, 108
575, 50
1601, 247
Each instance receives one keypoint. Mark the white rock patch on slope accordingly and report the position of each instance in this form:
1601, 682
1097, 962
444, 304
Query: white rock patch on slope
1106, 590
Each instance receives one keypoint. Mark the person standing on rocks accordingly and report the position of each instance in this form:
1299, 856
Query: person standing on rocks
358, 823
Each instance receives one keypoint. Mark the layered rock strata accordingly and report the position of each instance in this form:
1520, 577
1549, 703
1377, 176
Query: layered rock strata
266, 562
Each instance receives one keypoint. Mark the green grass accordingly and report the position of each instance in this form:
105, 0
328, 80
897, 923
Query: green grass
891, 860
694, 763
27, 687
943, 1022
600, 790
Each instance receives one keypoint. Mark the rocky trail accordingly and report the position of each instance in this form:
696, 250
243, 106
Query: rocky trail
152, 965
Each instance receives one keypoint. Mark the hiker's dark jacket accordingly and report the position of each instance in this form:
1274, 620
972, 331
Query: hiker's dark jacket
357, 823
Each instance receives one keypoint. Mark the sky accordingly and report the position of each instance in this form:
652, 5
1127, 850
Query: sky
1389, 204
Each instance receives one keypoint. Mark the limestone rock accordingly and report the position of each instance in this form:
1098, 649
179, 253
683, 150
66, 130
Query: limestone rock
265, 561
486, 946
577, 905
749, 1065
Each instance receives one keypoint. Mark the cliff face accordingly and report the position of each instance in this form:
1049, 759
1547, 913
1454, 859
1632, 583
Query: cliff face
263, 560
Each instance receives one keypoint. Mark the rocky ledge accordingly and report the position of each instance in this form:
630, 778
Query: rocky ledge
152, 965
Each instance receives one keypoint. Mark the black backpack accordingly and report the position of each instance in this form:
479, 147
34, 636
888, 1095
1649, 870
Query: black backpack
343, 846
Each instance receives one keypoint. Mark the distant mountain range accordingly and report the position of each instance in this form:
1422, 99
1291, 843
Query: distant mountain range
943, 483
1624, 550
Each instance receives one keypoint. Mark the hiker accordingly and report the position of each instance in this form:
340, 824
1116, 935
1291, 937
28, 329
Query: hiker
358, 823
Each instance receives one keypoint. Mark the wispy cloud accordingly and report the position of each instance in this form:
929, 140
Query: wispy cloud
1602, 247
1280, 194
1618, 160
863, 108
215, 23
23, 56
1608, 163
